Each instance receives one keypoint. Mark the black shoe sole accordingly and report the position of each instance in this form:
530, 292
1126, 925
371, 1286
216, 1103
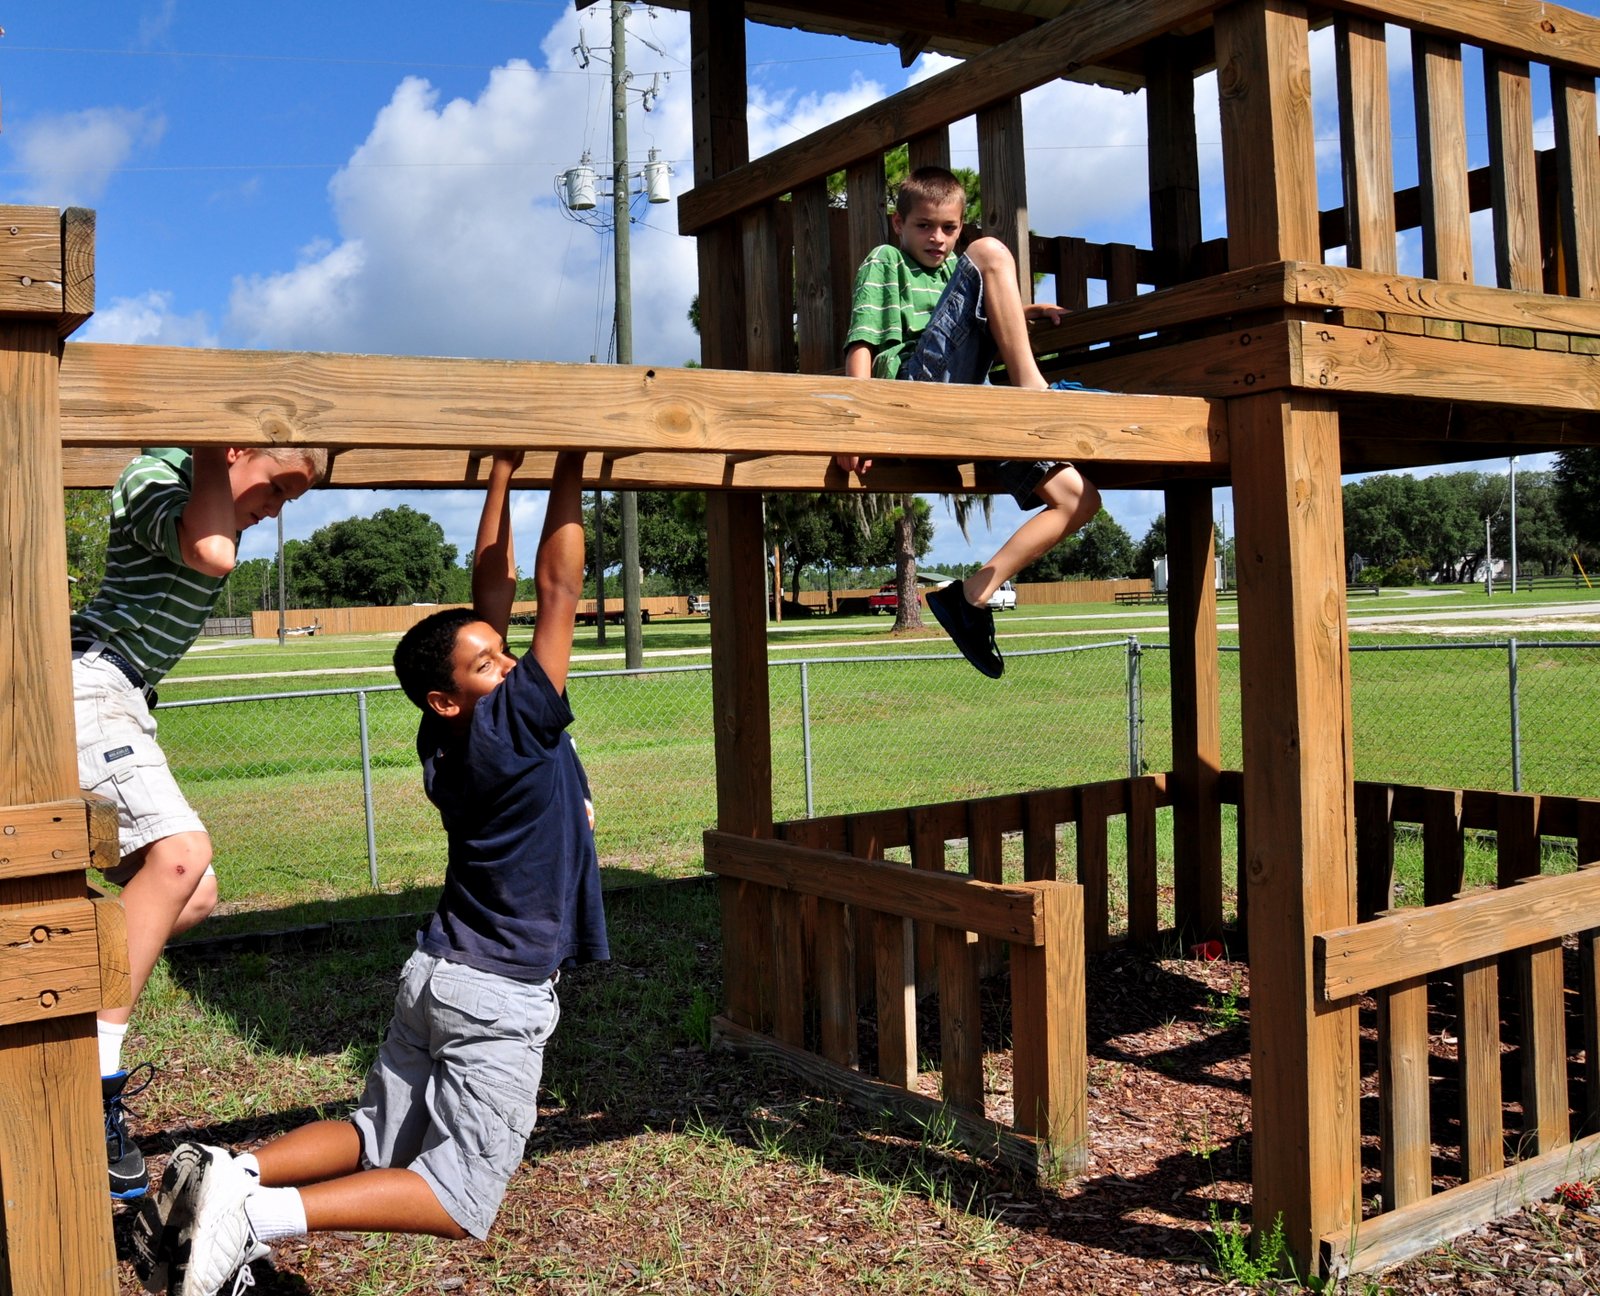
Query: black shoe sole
158, 1258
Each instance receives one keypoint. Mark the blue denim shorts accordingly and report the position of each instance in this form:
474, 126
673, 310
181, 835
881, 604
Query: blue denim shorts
454, 1092
957, 347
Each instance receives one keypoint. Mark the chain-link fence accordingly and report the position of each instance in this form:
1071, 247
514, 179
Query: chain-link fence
316, 795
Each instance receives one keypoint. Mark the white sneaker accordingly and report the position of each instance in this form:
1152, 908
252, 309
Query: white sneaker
219, 1243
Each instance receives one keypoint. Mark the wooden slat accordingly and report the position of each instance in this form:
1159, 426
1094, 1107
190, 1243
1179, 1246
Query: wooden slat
765, 322
1196, 720
1442, 159
867, 205
897, 1000
1043, 812
49, 838
1443, 862
788, 967
1009, 912
1374, 1244
927, 854
836, 984
111, 937
1093, 866
1374, 850
1528, 28
1406, 1139
721, 145
1340, 361
1478, 1032
1578, 180
1093, 31
1174, 159
1005, 187
1143, 911
1268, 152
1416, 942
1513, 174
121, 395
1049, 1031
931, 148
1122, 274
814, 317
960, 1019
1366, 147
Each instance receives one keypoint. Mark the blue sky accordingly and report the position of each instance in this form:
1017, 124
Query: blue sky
382, 178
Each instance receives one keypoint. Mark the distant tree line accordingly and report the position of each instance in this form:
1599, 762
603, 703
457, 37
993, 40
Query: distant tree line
1401, 529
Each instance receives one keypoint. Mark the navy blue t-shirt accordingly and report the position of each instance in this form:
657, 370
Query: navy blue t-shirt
522, 887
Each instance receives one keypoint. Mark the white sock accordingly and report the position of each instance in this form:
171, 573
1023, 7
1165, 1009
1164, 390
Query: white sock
110, 1035
276, 1213
249, 1162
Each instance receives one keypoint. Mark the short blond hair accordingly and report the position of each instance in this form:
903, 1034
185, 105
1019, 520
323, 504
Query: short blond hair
315, 459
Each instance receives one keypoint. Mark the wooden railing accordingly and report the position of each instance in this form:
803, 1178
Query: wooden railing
1465, 943
800, 248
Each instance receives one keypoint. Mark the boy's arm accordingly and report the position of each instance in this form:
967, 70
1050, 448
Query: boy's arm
494, 564
558, 570
857, 364
207, 539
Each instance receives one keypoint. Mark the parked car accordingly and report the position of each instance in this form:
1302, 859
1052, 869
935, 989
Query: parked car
886, 599
1004, 599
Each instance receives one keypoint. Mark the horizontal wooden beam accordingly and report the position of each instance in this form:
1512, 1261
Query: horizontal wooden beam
1092, 32
48, 838
1011, 914
1396, 1236
1530, 29
49, 962
1239, 362
1418, 942
127, 396
1335, 361
1338, 287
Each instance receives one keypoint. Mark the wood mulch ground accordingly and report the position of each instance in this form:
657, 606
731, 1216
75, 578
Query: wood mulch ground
1169, 1113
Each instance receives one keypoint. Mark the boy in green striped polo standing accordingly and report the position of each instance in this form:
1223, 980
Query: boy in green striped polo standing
176, 518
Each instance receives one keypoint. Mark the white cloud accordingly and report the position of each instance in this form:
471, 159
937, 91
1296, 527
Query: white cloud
69, 158
148, 320
779, 117
450, 239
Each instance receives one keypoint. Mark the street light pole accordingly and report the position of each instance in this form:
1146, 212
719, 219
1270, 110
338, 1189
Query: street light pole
283, 630
1513, 524
633, 635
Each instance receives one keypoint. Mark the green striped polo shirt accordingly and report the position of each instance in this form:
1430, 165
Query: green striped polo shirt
150, 607
894, 298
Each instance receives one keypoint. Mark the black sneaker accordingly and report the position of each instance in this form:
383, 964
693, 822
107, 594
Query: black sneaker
972, 628
129, 1178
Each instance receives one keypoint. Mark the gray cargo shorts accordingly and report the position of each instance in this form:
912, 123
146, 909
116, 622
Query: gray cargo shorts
454, 1092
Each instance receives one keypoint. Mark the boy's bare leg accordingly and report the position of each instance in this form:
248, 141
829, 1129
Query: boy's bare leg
323, 1160
1002, 303
155, 899
1070, 501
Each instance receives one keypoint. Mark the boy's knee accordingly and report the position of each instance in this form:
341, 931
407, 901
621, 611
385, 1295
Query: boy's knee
989, 253
182, 859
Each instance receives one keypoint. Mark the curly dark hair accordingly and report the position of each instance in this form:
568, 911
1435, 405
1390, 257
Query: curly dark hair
422, 657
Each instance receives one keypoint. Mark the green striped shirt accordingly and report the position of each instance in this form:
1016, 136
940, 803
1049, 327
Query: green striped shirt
150, 607
894, 299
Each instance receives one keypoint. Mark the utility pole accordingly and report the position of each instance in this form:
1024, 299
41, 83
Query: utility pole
633, 635
1513, 524
283, 632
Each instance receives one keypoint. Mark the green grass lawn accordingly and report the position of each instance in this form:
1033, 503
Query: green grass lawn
278, 780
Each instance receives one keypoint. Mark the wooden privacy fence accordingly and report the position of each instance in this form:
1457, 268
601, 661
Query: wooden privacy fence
1519, 1022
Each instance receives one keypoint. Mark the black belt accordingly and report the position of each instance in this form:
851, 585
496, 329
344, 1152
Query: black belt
112, 657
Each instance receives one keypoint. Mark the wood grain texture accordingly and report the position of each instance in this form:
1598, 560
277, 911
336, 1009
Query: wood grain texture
1513, 173
1529, 29
1577, 181
1010, 913
118, 395
895, 965
1366, 143
1406, 1140
30, 262
1442, 159
1092, 32
1003, 167
40, 839
51, 964
960, 1019
1049, 1030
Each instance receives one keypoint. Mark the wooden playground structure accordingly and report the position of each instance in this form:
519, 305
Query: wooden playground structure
1253, 361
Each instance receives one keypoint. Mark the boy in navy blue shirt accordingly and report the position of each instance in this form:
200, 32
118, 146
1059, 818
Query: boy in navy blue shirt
452, 1097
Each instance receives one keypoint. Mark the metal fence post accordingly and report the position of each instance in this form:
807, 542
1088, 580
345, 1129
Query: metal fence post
366, 789
805, 732
1516, 717
1135, 709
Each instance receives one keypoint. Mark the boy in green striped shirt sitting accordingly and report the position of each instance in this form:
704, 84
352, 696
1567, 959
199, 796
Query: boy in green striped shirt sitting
176, 518
921, 311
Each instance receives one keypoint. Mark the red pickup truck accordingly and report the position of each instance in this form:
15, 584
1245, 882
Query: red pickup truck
886, 599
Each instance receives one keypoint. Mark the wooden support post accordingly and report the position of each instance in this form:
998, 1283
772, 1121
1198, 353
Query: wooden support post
1050, 1033
1442, 160
1366, 149
55, 1223
1005, 185
1513, 173
1196, 722
1578, 181
813, 267
1174, 163
1295, 705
